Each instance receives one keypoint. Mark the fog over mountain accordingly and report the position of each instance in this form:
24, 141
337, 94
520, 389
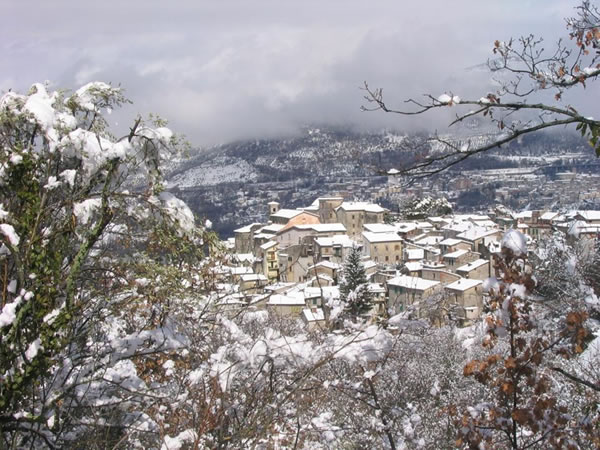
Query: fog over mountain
223, 71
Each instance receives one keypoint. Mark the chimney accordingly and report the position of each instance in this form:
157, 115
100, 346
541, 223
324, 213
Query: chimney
273, 207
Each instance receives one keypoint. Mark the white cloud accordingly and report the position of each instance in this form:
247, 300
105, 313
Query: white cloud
226, 70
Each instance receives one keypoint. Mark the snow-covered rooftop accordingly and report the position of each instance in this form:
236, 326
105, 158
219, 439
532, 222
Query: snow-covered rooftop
267, 245
416, 283
465, 217
589, 215
286, 300
340, 239
524, 215
477, 232
463, 284
361, 206
579, 227
405, 227
549, 215
327, 264
436, 219
271, 228
247, 228
381, 237
450, 242
485, 223
424, 225
456, 254
287, 213
379, 228
318, 227
429, 240
472, 265
325, 227
459, 226
325, 291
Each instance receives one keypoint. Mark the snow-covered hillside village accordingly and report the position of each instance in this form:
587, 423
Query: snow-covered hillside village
435, 268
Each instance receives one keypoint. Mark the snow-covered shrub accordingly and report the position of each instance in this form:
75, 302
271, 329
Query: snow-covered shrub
90, 250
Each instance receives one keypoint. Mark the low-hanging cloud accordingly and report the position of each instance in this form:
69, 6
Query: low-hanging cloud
220, 71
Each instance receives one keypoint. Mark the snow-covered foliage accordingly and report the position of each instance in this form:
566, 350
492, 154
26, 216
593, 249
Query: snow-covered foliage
450, 100
515, 241
525, 403
82, 216
420, 208
566, 276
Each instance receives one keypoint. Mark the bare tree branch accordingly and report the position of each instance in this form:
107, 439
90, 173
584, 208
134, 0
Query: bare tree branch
522, 67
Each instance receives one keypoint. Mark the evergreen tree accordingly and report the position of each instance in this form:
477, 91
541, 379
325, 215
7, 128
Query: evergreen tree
354, 288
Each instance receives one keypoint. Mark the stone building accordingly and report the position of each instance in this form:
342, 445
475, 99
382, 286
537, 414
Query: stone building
383, 248
354, 214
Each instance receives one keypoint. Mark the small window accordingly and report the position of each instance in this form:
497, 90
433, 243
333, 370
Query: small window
387, 258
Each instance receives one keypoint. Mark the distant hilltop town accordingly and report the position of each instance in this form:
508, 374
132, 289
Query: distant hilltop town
433, 268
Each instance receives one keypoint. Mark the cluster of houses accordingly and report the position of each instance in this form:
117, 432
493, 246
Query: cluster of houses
433, 268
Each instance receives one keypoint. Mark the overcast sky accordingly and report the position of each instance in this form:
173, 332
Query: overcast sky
228, 69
